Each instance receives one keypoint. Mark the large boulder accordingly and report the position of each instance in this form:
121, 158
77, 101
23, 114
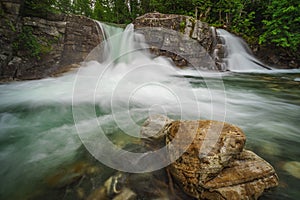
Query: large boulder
214, 165
187, 41
210, 161
213, 145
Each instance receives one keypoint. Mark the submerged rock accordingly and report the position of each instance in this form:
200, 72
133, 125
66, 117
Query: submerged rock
293, 168
70, 174
113, 187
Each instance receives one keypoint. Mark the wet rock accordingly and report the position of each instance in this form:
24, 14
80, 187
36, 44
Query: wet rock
126, 194
70, 174
113, 188
269, 148
187, 41
208, 147
277, 56
152, 131
213, 164
293, 168
247, 177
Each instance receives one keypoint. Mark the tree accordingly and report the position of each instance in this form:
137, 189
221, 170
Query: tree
64, 6
281, 24
83, 7
99, 11
39, 8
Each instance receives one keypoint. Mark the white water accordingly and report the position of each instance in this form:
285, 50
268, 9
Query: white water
37, 118
239, 57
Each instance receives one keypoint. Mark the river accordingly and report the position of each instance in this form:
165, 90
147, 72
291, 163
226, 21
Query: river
48, 127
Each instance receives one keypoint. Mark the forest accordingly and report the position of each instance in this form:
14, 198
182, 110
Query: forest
263, 22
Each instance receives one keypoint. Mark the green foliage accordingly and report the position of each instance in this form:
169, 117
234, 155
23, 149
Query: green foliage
82, 7
281, 26
11, 25
64, 6
39, 8
26, 41
258, 21
182, 26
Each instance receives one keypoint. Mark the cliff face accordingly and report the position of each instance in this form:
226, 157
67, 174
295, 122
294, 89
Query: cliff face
277, 57
187, 41
33, 48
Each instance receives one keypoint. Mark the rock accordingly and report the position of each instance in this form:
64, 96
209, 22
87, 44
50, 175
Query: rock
126, 194
214, 164
293, 168
12, 7
64, 40
152, 132
15, 61
247, 177
113, 188
221, 141
187, 41
70, 174
278, 57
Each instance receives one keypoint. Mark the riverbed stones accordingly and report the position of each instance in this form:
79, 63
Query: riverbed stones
293, 168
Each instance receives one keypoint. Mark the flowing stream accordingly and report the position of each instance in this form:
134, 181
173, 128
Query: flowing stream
44, 123
239, 56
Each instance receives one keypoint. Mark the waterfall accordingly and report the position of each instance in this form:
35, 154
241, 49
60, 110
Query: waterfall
119, 44
239, 56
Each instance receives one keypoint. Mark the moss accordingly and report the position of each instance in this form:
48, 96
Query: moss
32, 45
27, 42
46, 45
182, 26
11, 25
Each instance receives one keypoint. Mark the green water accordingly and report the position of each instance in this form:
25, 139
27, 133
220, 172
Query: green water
38, 137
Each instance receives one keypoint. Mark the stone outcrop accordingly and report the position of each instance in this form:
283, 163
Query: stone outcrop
187, 41
62, 40
277, 56
246, 177
213, 163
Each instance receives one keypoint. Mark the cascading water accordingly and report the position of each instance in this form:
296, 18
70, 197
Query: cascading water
239, 56
38, 135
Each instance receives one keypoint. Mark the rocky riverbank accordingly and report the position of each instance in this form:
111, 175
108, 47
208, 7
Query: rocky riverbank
34, 48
